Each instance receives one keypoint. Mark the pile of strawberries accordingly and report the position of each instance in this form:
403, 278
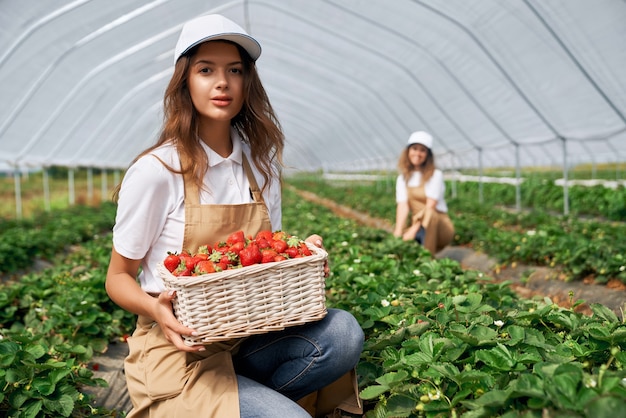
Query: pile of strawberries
236, 252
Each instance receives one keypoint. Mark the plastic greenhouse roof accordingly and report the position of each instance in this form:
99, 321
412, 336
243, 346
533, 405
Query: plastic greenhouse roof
534, 82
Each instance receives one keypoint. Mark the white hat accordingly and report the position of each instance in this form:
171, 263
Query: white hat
213, 27
421, 137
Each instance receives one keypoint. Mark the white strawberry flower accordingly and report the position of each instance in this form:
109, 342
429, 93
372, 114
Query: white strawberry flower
384, 302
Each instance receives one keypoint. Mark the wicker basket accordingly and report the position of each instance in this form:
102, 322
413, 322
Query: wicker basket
250, 300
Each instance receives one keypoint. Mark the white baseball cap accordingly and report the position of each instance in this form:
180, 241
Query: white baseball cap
421, 137
214, 27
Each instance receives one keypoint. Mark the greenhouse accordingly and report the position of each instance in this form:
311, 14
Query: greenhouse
519, 104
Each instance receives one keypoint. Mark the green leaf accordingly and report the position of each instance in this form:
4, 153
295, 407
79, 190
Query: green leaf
391, 378
32, 409
527, 385
64, 406
605, 407
37, 351
43, 386
374, 391
400, 405
603, 312
516, 334
494, 398
498, 357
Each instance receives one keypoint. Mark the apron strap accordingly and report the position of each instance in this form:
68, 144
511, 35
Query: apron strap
254, 187
192, 193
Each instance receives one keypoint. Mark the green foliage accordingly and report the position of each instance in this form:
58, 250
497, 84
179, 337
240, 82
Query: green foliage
51, 324
440, 341
581, 247
445, 342
23, 241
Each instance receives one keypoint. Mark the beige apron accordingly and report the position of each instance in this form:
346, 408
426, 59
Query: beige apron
164, 382
439, 227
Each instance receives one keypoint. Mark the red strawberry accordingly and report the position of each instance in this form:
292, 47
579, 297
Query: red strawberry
250, 255
292, 252
171, 262
280, 257
262, 242
304, 250
280, 235
204, 267
236, 247
236, 237
221, 247
279, 245
268, 255
265, 234
204, 249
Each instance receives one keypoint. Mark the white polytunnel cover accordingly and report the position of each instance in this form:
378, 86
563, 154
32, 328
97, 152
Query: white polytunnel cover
497, 82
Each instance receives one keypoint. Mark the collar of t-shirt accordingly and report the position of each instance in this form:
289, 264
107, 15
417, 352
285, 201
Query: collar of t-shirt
226, 181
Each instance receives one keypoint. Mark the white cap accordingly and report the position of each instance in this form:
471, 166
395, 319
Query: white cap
421, 137
213, 27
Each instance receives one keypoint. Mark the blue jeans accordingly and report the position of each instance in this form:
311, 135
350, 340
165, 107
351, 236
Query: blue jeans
276, 369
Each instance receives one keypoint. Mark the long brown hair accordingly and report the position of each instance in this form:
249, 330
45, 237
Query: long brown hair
406, 168
256, 123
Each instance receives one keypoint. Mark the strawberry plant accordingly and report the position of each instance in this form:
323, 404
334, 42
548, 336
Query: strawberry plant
442, 341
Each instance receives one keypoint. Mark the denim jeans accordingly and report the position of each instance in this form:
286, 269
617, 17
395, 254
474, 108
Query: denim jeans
276, 369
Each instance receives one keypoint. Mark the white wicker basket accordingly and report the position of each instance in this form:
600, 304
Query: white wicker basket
250, 300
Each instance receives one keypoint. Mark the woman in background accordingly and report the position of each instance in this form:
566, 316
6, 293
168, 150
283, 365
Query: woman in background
420, 191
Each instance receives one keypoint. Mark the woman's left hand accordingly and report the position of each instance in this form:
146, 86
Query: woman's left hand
319, 242
409, 234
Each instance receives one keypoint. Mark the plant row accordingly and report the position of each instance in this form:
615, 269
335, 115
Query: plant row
445, 342
581, 248
49, 233
52, 323
440, 341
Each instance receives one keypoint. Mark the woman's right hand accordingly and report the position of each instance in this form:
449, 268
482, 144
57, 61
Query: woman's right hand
172, 329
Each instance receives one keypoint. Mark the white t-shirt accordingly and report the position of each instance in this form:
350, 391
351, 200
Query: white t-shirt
435, 188
150, 218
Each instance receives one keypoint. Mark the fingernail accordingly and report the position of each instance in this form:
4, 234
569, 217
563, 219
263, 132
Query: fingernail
202, 349
195, 333
170, 293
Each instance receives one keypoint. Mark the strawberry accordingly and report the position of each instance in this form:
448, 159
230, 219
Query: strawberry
279, 245
236, 237
182, 270
262, 242
171, 262
280, 235
280, 257
250, 255
221, 246
204, 249
265, 234
236, 247
268, 255
292, 252
204, 267
304, 250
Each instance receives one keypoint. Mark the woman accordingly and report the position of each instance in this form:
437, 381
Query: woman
200, 182
420, 190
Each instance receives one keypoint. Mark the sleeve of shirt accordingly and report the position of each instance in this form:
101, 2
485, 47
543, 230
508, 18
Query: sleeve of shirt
401, 193
434, 187
143, 206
